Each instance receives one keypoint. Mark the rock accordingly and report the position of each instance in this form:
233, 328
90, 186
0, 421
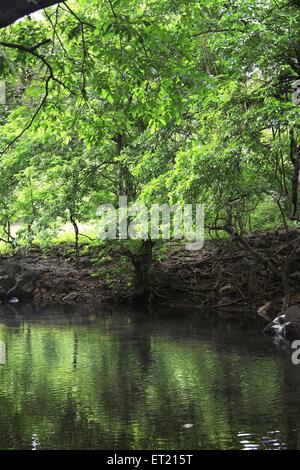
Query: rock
87, 297
7, 283
60, 285
10, 269
71, 297
64, 285
28, 288
285, 325
17, 280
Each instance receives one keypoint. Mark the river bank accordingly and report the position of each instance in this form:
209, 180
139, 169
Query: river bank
237, 274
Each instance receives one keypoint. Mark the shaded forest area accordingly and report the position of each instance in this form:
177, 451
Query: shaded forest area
164, 102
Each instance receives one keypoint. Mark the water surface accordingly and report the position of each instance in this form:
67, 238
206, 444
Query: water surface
110, 378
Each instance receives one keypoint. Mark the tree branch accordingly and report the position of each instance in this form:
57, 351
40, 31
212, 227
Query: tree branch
80, 20
214, 31
31, 120
12, 10
32, 51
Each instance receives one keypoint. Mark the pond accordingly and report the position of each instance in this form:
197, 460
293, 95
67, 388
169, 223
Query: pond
105, 377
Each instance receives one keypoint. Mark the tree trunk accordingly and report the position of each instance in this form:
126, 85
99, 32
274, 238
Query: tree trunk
76, 231
295, 160
142, 264
12, 10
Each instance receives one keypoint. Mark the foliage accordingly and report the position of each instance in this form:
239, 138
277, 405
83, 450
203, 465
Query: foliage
164, 101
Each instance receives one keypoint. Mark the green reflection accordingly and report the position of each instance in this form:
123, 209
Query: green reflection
116, 382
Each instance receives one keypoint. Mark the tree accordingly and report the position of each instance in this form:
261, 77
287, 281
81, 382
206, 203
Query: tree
168, 102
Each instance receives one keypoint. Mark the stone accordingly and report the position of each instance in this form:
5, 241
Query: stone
87, 295
286, 324
17, 280
71, 297
7, 283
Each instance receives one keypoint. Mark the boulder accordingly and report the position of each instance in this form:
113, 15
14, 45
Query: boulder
71, 297
286, 325
17, 280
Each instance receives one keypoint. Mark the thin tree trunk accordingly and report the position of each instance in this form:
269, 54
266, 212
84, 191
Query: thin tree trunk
143, 266
76, 231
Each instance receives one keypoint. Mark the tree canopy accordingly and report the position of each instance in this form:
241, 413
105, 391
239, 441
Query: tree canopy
164, 101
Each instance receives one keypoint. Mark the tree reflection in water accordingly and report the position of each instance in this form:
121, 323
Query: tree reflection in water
115, 379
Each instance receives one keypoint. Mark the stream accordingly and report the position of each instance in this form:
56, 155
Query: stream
103, 377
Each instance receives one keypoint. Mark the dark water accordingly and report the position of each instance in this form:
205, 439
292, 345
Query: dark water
100, 378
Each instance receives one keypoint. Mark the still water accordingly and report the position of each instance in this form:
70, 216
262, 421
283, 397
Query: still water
111, 378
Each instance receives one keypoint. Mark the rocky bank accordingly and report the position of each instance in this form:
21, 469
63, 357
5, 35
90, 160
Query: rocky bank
228, 275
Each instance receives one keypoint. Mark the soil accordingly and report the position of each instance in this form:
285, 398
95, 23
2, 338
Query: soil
234, 275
